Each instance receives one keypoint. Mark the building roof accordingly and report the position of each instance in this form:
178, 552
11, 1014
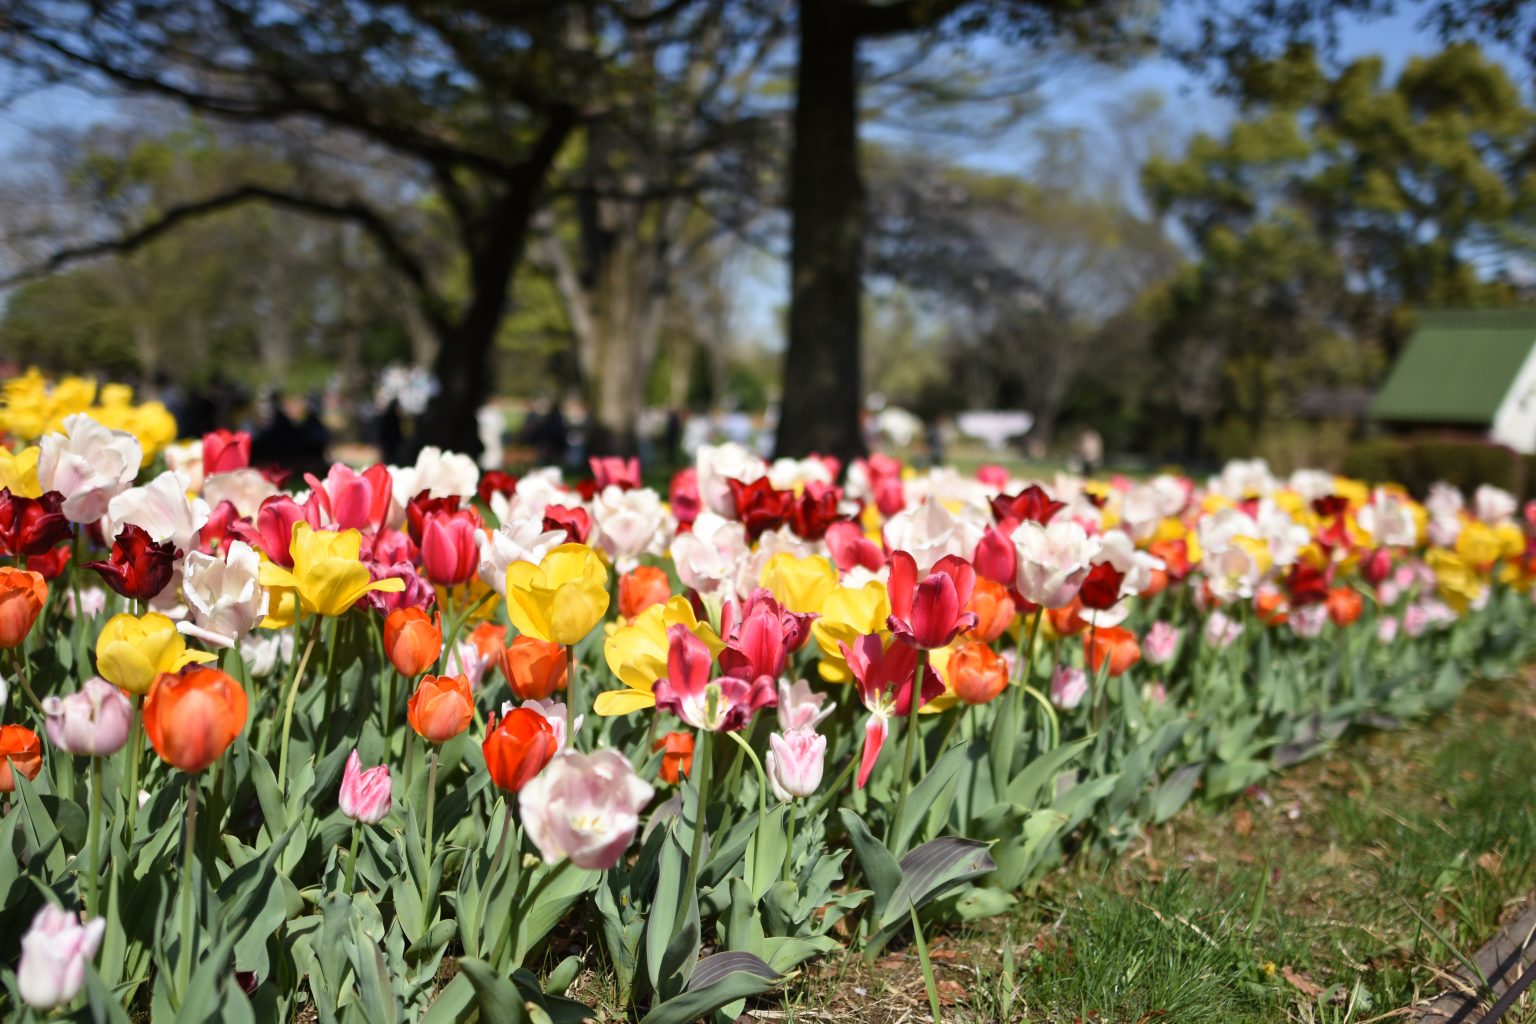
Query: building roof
1457, 367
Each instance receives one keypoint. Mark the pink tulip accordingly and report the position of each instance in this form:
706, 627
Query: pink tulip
760, 641
353, 500
418, 593
795, 762
450, 553
53, 956
612, 471
885, 678
683, 495
800, 707
929, 614
996, 558
1068, 687
364, 794
850, 549
225, 451
725, 704
94, 721
275, 521
585, 807
1161, 643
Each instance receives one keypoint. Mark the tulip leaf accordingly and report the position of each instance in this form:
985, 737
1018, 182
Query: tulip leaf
880, 868
664, 906
717, 981
932, 870
454, 1002
1174, 791
499, 1000
566, 883
930, 791
376, 994
1032, 786
104, 1006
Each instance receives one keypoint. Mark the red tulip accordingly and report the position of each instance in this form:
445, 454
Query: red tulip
1306, 585
220, 527
139, 568
275, 520
1031, 503
449, 553
849, 547
996, 558
683, 496
1376, 566
1101, 588
816, 510
495, 481
31, 526
760, 506
930, 613
574, 521
518, 747
225, 450
886, 678
677, 756
423, 505
50, 564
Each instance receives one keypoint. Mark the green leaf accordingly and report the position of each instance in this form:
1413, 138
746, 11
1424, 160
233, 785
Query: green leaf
880, 868
977, 902
499, 1000
1174, 791
933, 869
931, 790
1034, 786
717, 981
556, 898
665, 905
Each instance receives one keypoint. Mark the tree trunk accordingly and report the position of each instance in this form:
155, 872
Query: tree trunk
823, 385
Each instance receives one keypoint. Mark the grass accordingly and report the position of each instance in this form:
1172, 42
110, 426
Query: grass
1340, 893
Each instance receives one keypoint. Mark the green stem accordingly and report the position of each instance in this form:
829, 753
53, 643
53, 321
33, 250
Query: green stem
135, 754
431, 797
789, 847
701, 779
22, 667
572, 693
762, 795
293, 696
92, 904
184, 965
893, 837
351, 875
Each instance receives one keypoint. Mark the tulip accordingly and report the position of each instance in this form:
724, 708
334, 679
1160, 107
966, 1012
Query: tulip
795, 762
612, 471
1161, 643
847, 614
1032, 504
54, 953
1115, 645
514, 541
18, 472
275, 522
225, 450
162, 508
534, 668
1053, 561
677, 755
994, 609
976, 673
850, 549
640, 588
1101, 587
327, 573
364, 795
20, 751
628, 524
585, 807
192, 717
224, 594
517, 747
449, 549
353, 500
31, 526
132, 651
93, 721
438, 474
1344, 605
440, 708
416, 592
637, 654
555, 713
22, 596
996, 558
495, 481
799, 708
139, 569
799, 584
725, 704
1221, 630
928, 614
759, 507
884, 677
1068, 687
413, 641
560, 599
574, 522
88, 464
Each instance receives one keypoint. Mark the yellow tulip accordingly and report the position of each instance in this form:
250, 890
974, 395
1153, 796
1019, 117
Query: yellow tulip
637, 654
560, 599
1511, 540
132, 651
473, 593
1458, 583
327, 573
1479, 545
19, 472
846, 615
799, 584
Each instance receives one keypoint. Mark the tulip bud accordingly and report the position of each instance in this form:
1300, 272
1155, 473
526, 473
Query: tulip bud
53, 956
20, 751
641, 588
795, 762
976, 673
1068, 687
412, 640
440, 708
364, 795
226, 450
22, 596
191, 718
139, 568
94, 721
1160, 643
449, 551
534, 668
518, 747
585, 807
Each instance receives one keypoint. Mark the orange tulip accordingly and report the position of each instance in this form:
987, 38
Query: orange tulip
22, 596
440, 708
534, 668
640, 588
518, 747
489, 640
1344, 605
677, 760
1156, 584
412, 640
1271, 607
1115, 643
192, 717
976, 673
994, 609
1067, 620
20, 751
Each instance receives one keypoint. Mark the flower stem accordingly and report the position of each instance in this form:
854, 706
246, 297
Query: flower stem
93, 840
572, 693
293, 696
762, 795
135, 754
789, 845
701, 779
351, 875
184, 965
431, 797
893, 838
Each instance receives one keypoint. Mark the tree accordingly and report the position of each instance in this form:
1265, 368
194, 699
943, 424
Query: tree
1337, 206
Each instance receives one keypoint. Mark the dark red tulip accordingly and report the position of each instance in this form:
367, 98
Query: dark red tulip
1101, 589
139, 568
30, 526
815, 510
50, 564
760, 506
1306, 585
495, 481
1030, 503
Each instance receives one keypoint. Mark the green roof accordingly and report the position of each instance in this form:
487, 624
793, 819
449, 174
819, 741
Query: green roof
1457, 367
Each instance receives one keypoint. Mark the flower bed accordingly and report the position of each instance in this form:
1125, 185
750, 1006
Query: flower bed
405, 714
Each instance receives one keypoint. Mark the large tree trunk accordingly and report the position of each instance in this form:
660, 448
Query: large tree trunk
823, 385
